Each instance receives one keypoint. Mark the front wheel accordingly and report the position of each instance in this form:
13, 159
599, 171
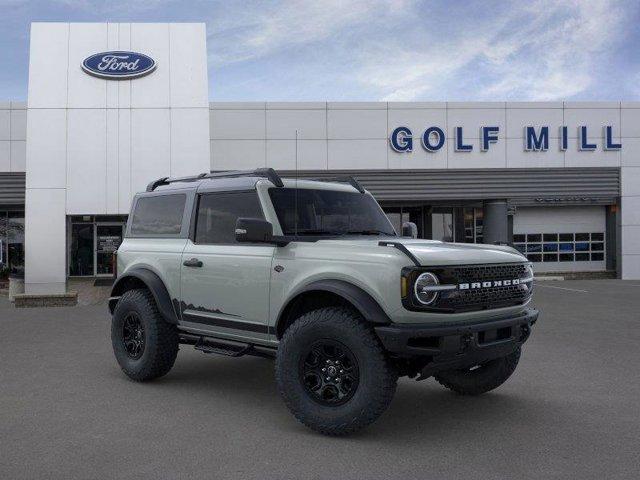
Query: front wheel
333, 373
480, 378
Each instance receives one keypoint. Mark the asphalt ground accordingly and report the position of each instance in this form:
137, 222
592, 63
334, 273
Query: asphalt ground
571, 410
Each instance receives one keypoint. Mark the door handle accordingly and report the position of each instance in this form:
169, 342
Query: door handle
194, 262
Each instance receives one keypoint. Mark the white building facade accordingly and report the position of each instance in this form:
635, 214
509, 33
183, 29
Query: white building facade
559, 180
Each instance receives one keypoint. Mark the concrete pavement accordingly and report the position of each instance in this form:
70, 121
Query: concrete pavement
571, 410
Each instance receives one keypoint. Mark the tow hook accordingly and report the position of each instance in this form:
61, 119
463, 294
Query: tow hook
524, 332
465, 341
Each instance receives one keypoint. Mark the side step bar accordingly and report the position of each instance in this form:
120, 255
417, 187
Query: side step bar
230, 348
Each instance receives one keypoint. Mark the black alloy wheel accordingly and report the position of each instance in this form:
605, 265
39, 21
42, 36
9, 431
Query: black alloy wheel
133, 336
329, 372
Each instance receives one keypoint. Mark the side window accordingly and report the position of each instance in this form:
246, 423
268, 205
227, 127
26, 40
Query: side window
218, 212
158, 215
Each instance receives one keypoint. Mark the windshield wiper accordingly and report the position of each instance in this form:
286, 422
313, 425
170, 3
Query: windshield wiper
369, 232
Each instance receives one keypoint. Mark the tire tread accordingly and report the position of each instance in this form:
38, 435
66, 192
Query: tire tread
162, 338
385, 373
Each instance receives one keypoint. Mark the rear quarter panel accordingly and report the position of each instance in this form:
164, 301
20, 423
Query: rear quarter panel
160, 255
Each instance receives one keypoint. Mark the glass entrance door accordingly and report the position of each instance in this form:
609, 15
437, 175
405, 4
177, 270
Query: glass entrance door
81, 251
108, 239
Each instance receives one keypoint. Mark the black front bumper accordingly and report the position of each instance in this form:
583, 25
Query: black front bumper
451, 346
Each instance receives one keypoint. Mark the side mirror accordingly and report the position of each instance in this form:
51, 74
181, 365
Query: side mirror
409, 229
254, 230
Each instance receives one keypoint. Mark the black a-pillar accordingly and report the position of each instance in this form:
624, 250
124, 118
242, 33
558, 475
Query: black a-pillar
495, 223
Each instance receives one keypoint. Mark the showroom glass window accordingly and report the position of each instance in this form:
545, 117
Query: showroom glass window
561, 247
11, 242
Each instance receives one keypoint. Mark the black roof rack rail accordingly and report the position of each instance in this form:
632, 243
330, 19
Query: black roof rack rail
346, 179
268, 173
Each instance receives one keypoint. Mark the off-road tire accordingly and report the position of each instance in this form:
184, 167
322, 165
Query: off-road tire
377, 377
482, 379
161, 338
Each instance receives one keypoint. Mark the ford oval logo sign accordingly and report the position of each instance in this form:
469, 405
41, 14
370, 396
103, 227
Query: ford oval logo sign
118, 65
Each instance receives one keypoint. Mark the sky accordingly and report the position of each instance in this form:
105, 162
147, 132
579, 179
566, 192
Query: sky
377, 50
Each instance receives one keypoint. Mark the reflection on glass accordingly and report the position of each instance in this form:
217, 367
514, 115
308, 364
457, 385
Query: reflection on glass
15, 241
108, 240
442, 226
81, 254
585, 242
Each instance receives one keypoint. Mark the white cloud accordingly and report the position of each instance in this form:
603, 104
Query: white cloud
545, 50
258, 30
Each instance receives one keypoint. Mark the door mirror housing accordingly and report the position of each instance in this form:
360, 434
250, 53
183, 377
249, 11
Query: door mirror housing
409, 229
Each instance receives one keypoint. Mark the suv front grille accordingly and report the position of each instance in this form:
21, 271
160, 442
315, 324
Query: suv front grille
479, 273
485, 297
488, 297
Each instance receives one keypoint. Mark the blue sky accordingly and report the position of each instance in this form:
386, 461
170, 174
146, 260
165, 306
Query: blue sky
361, 50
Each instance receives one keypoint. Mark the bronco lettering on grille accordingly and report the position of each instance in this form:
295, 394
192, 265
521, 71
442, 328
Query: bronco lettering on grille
489, 284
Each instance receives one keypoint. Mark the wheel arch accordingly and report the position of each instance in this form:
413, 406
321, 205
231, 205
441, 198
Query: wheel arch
141, 277
324, 293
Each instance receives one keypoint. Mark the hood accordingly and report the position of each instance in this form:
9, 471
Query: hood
434, 252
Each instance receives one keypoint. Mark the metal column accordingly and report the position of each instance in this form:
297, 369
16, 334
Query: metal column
496, 225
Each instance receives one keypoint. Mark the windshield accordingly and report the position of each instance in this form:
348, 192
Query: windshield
328, 212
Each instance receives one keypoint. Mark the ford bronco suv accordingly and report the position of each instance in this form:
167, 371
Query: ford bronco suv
313, 274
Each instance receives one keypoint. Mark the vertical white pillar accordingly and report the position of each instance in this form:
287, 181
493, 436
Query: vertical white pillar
92, 143
630, 223
630, 191
46, 152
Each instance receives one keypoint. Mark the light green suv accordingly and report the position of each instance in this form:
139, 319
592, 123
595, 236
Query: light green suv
313, 274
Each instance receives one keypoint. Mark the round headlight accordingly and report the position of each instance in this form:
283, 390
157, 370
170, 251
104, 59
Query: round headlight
422, 288
528, 278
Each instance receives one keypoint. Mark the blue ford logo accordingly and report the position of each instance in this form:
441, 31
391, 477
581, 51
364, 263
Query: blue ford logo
118, 65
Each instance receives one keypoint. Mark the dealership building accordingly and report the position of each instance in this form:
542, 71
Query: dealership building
114, 106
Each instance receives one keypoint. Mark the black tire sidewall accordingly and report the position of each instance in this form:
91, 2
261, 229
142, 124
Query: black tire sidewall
373, 370
134, 301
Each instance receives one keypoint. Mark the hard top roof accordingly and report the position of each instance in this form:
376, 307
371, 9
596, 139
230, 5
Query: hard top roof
238, 179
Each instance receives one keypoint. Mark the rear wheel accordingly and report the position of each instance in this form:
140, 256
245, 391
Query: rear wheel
144, 344
332, 372
480, 378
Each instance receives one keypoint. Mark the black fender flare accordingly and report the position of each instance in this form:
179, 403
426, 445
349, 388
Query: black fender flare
356, 296
153, 283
